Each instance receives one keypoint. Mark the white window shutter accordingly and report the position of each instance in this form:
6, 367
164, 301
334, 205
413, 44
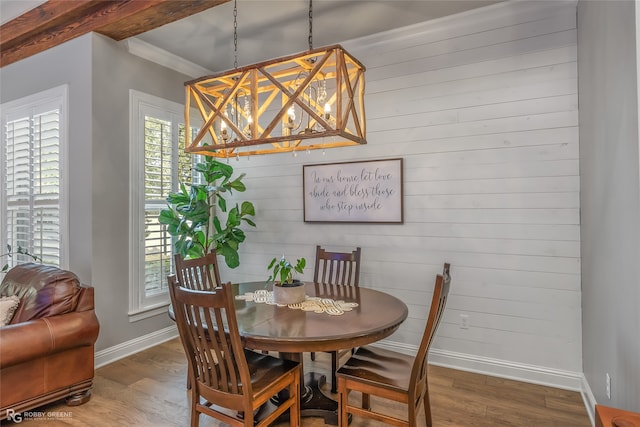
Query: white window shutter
31, 168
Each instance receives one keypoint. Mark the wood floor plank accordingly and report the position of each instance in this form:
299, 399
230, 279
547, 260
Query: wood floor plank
149, 389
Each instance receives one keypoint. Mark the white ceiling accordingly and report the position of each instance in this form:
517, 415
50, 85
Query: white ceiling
273, 28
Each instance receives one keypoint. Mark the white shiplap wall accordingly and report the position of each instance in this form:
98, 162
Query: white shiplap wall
483, 108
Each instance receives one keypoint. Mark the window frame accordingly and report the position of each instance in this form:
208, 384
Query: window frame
59, 97
141, 305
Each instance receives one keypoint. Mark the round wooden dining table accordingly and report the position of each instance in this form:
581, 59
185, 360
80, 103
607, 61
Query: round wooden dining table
292, 332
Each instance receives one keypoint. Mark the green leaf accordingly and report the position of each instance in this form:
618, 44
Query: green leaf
248, 209
177, 198
200, 194
216, 224
181, 248
195, 252
200, 238
238, 234
222, 203
231, 257
232, 218
224, 168
237, 185
167, 216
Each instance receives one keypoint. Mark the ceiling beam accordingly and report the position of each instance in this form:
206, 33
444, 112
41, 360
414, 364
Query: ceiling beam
57, 21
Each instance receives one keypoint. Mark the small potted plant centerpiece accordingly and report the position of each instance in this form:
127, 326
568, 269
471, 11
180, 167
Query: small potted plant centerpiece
286, 289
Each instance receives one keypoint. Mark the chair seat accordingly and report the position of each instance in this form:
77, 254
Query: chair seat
379, 367
265, 369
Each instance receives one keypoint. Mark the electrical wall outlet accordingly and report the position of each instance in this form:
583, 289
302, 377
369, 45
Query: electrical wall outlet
464, 321
608, 386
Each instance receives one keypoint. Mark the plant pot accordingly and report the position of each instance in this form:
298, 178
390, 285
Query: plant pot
289, 293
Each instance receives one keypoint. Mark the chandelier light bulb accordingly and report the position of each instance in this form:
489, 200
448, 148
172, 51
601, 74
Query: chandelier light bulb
327, 110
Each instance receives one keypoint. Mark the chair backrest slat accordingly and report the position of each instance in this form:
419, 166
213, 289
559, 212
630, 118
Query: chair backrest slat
208, 328
337, 268
198, 273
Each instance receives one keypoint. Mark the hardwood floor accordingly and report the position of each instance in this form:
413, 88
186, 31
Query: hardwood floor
148, 389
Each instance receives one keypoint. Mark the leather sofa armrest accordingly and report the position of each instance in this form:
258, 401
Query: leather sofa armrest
40, 337
85, 301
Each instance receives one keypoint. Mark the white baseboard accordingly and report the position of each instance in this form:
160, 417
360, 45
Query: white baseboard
589, 400
557, 378
117, 352
567, 380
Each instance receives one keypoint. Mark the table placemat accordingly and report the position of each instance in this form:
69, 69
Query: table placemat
315, 304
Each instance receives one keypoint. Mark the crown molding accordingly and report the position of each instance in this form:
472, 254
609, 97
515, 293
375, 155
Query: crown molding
152, 53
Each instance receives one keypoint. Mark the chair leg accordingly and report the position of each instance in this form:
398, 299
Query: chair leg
343, 399
195, 417
294, 411
195, 400
427, 408
248, 419
334, 368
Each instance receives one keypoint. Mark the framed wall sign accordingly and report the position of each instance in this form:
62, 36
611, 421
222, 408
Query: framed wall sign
369, 191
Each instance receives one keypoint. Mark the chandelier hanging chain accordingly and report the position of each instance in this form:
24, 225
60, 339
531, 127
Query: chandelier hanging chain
235, 33
310, 24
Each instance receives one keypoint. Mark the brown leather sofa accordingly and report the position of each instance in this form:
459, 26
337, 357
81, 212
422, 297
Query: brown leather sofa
47, 350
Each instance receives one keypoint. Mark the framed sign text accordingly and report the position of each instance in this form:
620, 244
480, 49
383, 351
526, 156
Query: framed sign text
368, 191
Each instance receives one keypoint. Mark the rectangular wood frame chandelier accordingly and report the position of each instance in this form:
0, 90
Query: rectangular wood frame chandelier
312, 100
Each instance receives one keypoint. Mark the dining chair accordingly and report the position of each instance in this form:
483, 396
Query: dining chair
337, 269
229, 383
391, 375
198, 273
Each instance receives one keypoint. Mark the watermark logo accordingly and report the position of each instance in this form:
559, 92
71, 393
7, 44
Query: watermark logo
18, 417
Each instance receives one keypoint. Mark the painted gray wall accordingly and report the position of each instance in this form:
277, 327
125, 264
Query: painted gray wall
610, 209
70, 64
100, 73
115, 71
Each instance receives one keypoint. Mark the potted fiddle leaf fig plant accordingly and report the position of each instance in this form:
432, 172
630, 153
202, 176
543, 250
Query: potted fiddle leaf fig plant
194, 214
286, 289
